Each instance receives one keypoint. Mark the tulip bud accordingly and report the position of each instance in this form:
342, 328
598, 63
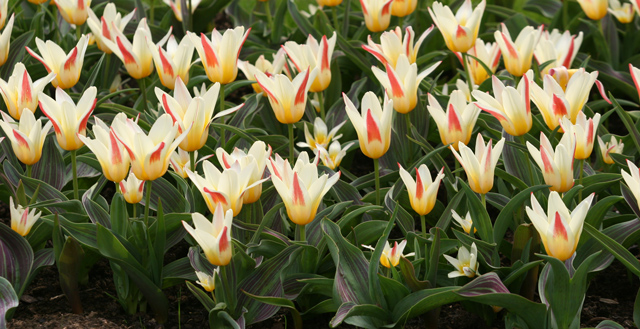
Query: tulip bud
132, 189
391, 256
208, 282
456, 124
21, 218
288, 98
423, 191
373, 124
20, 92
213, 237
103, 28
612, 146
313, 55
27, 137
219, 54
73, 11
556, 166
480, 165
518, 54
465, 222
111, 154
377, 14
594, 9
392, 44
584, 132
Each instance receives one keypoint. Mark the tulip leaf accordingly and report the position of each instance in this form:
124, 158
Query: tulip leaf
96, 213
627, 121
16, 52
202, 296
630, 198
8, 300
479, 214
506, 216
621, 233
172, 200
280, 302
93, 74
374, 263
69, 263
301, 22
16, 258
51, 167
176, 272
445, 219
620, 252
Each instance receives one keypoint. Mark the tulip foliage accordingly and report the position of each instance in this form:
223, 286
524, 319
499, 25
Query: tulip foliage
360, 163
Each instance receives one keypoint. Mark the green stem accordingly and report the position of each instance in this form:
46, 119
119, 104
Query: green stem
457, 167
376, 170
424, 225
146, 204
401, 22
580, 179
213, 294
407, 120
78, 33
74, 168
223, 141
468, 72
192, 160
483, 198
151, 11
523, 141
106, 83
291, 150
303, 233
190, 15
118, 188
336, 24
321, 103
565, 14
268, 13
142, 84
29, 167
135, 210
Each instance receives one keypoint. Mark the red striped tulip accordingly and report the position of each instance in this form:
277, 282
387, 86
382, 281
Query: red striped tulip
176, 7
556, 166
377, 14
488, 54
220, 54
288, 98
559, 48
373, 123
555, 103
264, 66
594, 9
623, 12
74, 11
173, 62
391, 256
27, 137
392, 44
66, 67
313, 55
225, 187
21, 218
333, 157
635, 74
559, 229
193, 114
208, 282
401, 83
149, 153
465, 222
517, 54
102, 28
511, 106
20, 92
402, 8
456, 124
300, 188
460, 31
108, 150
132, 189
466, 264
69, 120
423, 191
584, 132
320, 137
256, 158
180, 162
612, 146
214, 237
480, 165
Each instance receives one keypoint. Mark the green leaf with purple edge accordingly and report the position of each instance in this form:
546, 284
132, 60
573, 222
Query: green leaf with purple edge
481, 219
627, 121
608, 324
374, 264
280, 302
505, 218
630, 198
358, 315
409, 274
8, 300
608, 239
202, 296
176, 272
95, 211
50, 169
16, 258
172, 200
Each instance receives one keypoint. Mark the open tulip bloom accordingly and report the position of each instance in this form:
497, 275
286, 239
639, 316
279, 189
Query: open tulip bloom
556, 165
559, 48
213, 237
111, 154
456, 124
264, 66
174, 62
20, 92
320, 137
333, 157
391, 255
27, 137
220, 54
517, 55
102, 28
466, 223
377, 14
559, 229
466, 264
422, 192
392, 45
481, 164
623, 12
612, 146
584, 132
488, 53
66, 67
256, 158
460, 31
22, 219
74, 11
313, 55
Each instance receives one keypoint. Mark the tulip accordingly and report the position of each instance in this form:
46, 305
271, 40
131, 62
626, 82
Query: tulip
584, 132
132, 189
173, 62
461, 86
27, 137
74, 11
220, 54
562, 75
466, 264
66, 67
555, 103
227, 187
559, 229
136, 56
488, 54
456, 124
511, 106
288, 98
177, 8
4, 9
373, 124
391, 256
632, 178
556, 166
68, 119
195, 114
623, 12
20, 92
208, 282
102, 28
517, 55
466, 223
180, 162
480, 165
39, 2
5, 41
401, 83
377, 14
333, 157
256, 158
313, 55
300, 188
635, 74
594, 9
557, 49
402, 8
320, 137
22, 219
460, 31
392, 44
109, 151
422, 192
612, 146
264, 66
327, 3
214, 237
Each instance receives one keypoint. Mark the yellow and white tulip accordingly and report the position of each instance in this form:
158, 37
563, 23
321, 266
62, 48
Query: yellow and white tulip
466, 223
103, 28
256, 158
111, 154
584, 133
556, 165
22, 219
20, 92
480, 165
333, 157
422, 191
392, 44
402, 8
456, 124
489, 54
288, 98
66, 67
5, 41
173, 62
460, 31
213, 237
219, 54
313, 55
132, 189
27, 136
559, 48
264, 66
594, 9
517, 55
176, 7
74, 11
69, 120
466, 264
320, 137
612, 146
377, 14
623, 12
372, 123
206, 281
391, 255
